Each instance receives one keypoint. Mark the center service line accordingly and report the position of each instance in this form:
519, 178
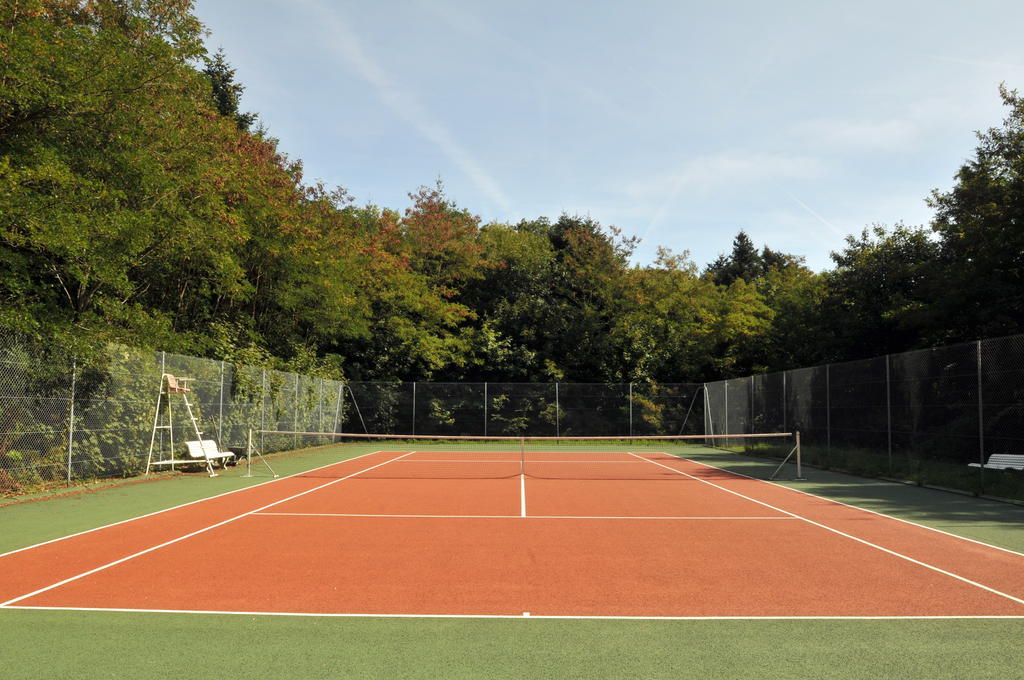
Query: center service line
522, 494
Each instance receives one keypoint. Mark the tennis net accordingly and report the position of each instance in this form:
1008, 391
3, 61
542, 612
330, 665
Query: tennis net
469, 457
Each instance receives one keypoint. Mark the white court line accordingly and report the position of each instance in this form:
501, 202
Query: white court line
194, 533
655, 517
581, 617
528, 460
183, 505
522, 494
856, 507
844, 534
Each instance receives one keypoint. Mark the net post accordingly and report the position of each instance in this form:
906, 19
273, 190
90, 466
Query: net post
799, 458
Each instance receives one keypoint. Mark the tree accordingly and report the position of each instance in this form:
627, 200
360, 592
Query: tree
227, 94
980, 223
744, 262
106, 153
878, 298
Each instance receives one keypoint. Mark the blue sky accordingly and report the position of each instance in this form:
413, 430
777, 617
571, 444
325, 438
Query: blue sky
678, 122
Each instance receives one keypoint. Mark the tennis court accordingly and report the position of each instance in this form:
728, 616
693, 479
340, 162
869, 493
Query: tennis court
436, 529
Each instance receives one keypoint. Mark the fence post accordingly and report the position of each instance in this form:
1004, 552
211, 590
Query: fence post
750, 407
558, 414
709, 425
220, 413
413, 407
71, 418
630, 410
888, 411
339, 406
295, 414
263, 408
485, 409
981, 423
725, 424
785, 405
828, 407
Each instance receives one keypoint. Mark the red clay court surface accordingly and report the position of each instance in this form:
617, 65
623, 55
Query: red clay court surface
465, 534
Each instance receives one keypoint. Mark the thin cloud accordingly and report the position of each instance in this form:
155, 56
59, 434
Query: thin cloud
708, 173
470, 25
836, 230
403, 102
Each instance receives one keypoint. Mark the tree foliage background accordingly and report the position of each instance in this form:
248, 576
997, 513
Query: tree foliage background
140, 204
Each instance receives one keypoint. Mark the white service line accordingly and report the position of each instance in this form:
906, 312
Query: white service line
530, 461
844, 534
647, 517
582, 617
522, 494
184, 505
194, 533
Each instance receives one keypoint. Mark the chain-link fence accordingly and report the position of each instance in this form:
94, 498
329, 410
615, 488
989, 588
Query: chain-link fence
931, 416
62, 421
65, 421
924, 416
522, 409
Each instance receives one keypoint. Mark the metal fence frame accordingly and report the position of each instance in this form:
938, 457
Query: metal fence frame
932, 416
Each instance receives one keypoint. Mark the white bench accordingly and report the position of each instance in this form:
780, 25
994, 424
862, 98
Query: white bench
207, 449
1002, 461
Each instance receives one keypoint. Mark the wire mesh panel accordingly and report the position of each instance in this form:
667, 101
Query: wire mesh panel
667, 408
594, 409
859, 413
738, 407
807, 411
385, 407
1002, 412
715, 421
35, 409
934, 414
114, 410
768, 403
531, 409
243, 405
449, 408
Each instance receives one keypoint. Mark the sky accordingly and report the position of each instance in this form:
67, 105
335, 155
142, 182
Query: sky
678, 122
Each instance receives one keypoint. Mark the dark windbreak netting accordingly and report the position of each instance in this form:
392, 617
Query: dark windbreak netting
934, 409
382, 407
1002, 379
767, 403
522, 409
593, 409
857, 409
448, 409
932, 416
667, 408
806, 409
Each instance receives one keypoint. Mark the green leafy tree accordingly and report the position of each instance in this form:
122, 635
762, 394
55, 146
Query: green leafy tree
227, 94
879, 297
980, 223
106, 153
